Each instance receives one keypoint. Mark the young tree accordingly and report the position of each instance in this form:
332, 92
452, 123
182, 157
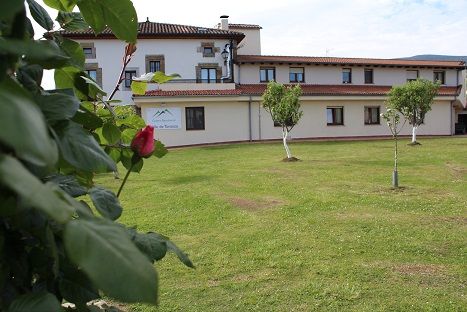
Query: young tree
393, 120
413, 100
284, 106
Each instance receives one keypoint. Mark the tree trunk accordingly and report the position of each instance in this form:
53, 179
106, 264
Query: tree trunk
414, 134
284, 140
395, 175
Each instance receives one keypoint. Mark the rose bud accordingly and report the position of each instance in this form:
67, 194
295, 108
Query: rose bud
143, 142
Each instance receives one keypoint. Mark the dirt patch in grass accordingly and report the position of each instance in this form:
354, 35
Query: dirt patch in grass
419, 269
250, 204
455, 219
457, 171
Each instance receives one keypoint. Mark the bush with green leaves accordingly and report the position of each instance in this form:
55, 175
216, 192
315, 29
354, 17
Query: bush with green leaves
59, 236
284, 106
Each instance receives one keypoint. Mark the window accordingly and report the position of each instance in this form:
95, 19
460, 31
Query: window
208, 75
89, 50
267, 74
129, 74
208, 50
372, 115
296, 74
155, 63
347, 75
335, 116
439, 76
368, 75
412, 75
194, 118
154, 66
92, 73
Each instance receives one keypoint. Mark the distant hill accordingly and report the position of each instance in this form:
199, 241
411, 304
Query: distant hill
434, 57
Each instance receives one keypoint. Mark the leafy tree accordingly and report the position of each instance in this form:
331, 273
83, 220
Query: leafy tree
413, 100
284, 106
393, 121
54, 246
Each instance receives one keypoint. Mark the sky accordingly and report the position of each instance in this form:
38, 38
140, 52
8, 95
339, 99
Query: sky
346, 28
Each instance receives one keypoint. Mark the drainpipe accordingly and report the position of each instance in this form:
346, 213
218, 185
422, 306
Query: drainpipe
452, 108
231, 61
249, 119
259, 122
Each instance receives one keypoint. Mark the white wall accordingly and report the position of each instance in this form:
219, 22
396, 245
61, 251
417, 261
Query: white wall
333, 74
181, 57
251, 44
228, 120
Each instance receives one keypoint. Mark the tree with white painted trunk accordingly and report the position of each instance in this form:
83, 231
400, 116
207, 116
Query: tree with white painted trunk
413, 100
284, 106
392, 118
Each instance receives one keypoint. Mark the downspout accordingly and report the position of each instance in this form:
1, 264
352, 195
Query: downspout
231, 61
259, 121
249, 120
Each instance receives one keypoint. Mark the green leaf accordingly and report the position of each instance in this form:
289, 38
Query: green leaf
43, 52
114, 153
94, 88
120, 16
9, 8
30, 76
61, 5
93, 13
42, 301
106, 203
68, 184
151, 245
40, 15
126, 274
111, 133
70, 77
128, 135
40, 196
160, 77
183, 257
31, 141
74, 50
76, 287
132, 121
81, 150
71, 21
127, 162
159, 149
58, 106
139, 87
87, 119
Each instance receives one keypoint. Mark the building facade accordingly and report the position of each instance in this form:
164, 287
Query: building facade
223, 75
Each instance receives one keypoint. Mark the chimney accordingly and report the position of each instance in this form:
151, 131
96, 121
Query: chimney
225, 22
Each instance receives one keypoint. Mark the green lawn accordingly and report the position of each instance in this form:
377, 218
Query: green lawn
327, 233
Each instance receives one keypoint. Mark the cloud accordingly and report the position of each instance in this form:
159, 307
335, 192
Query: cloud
357, 28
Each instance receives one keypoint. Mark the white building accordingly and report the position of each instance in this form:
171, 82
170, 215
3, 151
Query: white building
223, 75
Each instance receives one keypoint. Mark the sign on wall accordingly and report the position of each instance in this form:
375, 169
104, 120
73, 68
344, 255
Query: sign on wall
164, 118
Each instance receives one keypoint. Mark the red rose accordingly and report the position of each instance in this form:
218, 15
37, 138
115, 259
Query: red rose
143, 142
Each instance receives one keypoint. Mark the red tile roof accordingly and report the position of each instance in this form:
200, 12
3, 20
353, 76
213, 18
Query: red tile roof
245, 26
346, 61
160, 30
307, 90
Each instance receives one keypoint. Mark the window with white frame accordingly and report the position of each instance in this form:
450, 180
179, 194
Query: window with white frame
335, 116
439, 76
297, 74
347, 75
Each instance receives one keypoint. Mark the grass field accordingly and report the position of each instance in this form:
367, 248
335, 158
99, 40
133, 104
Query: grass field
327, 233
